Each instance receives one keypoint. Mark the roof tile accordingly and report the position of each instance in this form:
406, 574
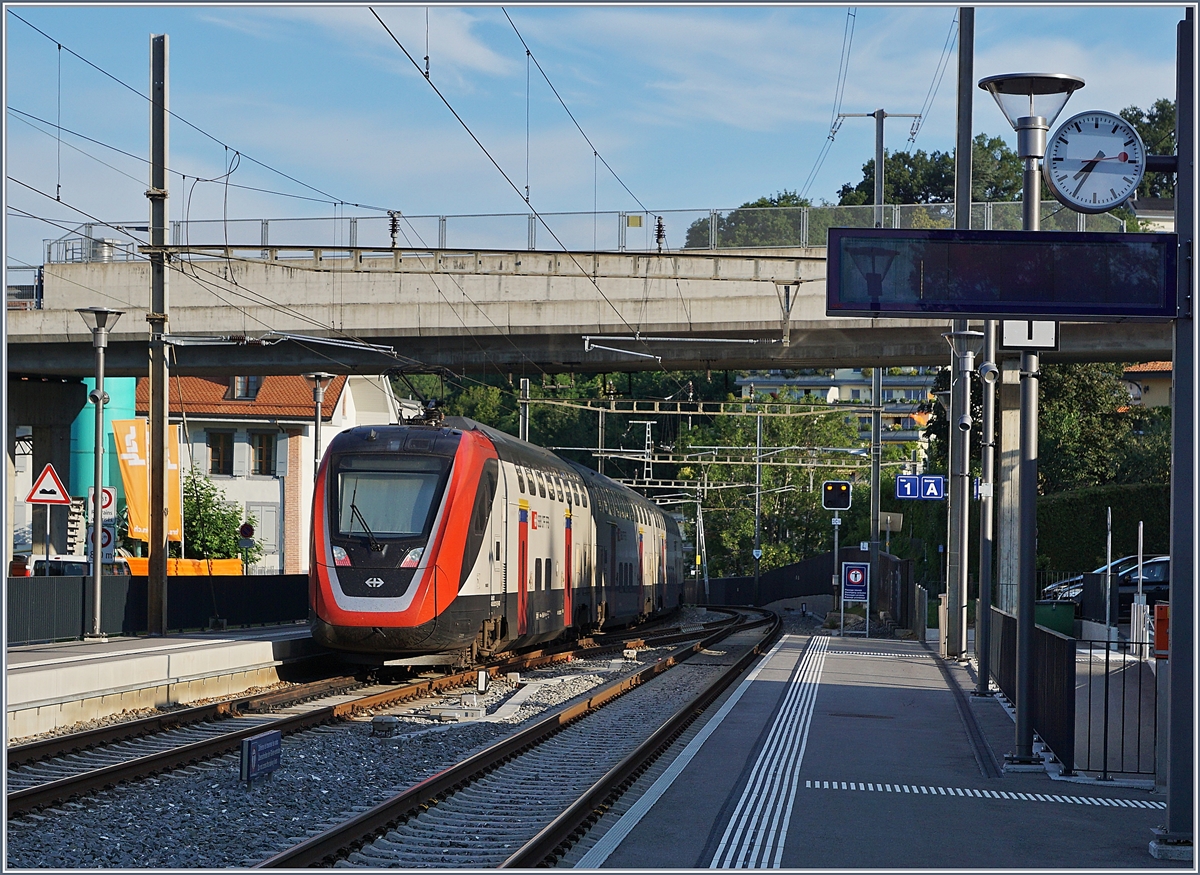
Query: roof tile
279, 397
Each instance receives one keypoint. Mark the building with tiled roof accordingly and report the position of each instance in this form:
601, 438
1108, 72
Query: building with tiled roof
253, 435
1149, 383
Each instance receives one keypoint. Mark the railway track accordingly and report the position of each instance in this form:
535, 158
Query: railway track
522, 801
53, 770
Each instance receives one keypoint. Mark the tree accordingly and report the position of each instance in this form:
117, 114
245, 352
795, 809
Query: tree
754, 223
211, 523
920, 178
1080, 426
1156, 126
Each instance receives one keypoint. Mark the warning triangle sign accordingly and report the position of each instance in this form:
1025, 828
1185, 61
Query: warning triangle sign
48, 489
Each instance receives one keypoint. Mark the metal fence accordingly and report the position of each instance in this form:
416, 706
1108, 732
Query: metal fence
609, 231
1053, 700
24, 288
1118, 702
42, 609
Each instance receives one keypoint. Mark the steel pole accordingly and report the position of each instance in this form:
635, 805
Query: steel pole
1031, 145
156, 589
876, 453
1027, 555
880, 115
757, 499
960, 399
983, 620
318, 401
100, 340
523, 427
1175, 837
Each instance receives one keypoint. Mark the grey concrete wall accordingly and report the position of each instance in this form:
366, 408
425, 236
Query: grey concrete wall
477, 309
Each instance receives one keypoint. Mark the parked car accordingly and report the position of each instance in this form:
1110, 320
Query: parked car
1071, 587
76, 566
1156, 584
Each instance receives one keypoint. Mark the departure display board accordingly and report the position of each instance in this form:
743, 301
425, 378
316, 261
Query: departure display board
1082, 276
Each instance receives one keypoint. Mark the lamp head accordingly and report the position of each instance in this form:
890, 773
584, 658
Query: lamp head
100, 318
1031, 95
989, 373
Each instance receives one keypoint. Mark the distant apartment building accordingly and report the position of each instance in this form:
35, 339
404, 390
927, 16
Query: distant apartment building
1149, 383
903, 389
253, 435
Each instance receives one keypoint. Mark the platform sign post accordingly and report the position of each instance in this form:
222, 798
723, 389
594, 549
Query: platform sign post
261, 755
856, 587
48, 489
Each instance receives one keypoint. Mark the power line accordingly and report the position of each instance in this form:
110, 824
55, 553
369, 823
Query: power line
28, 115
197, 128
839, 89
595, 151
938, 73
507, 179
247, 294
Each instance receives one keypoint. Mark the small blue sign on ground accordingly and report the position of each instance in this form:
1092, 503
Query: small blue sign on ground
261, 754
933, 486
908, 486
855, 576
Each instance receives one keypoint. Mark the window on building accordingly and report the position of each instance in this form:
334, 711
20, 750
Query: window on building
244, 388
220, 453
262, 454
855, 394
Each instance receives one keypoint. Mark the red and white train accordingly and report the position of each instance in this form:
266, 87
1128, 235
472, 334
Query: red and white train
455, 538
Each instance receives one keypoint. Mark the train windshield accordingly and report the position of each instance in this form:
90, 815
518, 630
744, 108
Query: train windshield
388, 496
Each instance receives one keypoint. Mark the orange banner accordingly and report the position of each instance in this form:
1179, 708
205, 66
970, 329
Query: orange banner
132, 448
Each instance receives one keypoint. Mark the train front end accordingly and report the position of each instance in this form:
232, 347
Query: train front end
391, 539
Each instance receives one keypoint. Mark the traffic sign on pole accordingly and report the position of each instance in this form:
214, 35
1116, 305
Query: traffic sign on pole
108, 541
48, 489
108, 504
933, 486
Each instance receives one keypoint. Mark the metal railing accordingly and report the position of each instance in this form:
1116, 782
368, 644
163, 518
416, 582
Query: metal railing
60, 608
1118, 702
609, 231
24, 288
1053, 702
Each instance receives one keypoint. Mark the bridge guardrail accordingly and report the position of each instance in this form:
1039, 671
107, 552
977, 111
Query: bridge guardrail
607, 231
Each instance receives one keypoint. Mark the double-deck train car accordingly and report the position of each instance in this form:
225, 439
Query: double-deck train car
455, 538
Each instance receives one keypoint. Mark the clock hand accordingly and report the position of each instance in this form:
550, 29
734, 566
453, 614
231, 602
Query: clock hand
1089, 166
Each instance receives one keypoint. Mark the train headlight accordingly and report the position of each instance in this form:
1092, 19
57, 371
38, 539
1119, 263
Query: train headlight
340, 557
413, 558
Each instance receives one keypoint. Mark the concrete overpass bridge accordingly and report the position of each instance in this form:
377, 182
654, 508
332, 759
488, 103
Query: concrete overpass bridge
483, 310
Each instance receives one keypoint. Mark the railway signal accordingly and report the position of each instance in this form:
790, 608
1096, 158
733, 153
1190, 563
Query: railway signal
836, 495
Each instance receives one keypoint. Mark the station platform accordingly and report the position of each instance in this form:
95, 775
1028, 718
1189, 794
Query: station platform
52, 685
850, 752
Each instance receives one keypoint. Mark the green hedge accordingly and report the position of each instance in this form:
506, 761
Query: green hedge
1072, 528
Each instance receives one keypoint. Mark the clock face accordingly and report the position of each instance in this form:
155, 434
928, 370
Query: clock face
1094, 161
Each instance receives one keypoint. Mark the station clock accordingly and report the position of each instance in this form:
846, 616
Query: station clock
1094, 161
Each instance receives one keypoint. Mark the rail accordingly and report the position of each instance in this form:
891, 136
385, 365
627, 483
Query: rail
607, 231
1119, 700
344, 837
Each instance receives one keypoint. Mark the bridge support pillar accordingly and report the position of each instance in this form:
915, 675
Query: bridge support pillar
49, 407
1007, 484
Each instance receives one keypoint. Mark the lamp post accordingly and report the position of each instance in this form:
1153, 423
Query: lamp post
100, 320
319, 381
964, 345
1031, 102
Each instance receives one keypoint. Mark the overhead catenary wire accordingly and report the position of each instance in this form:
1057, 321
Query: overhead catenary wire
838, 90
938, 73
583, 272
191, 125
529, 54
248, 294
120, 151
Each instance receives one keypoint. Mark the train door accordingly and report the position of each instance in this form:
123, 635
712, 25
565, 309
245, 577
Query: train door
523, 568
568, 566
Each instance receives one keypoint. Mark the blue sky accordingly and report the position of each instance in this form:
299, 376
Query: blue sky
692, 106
